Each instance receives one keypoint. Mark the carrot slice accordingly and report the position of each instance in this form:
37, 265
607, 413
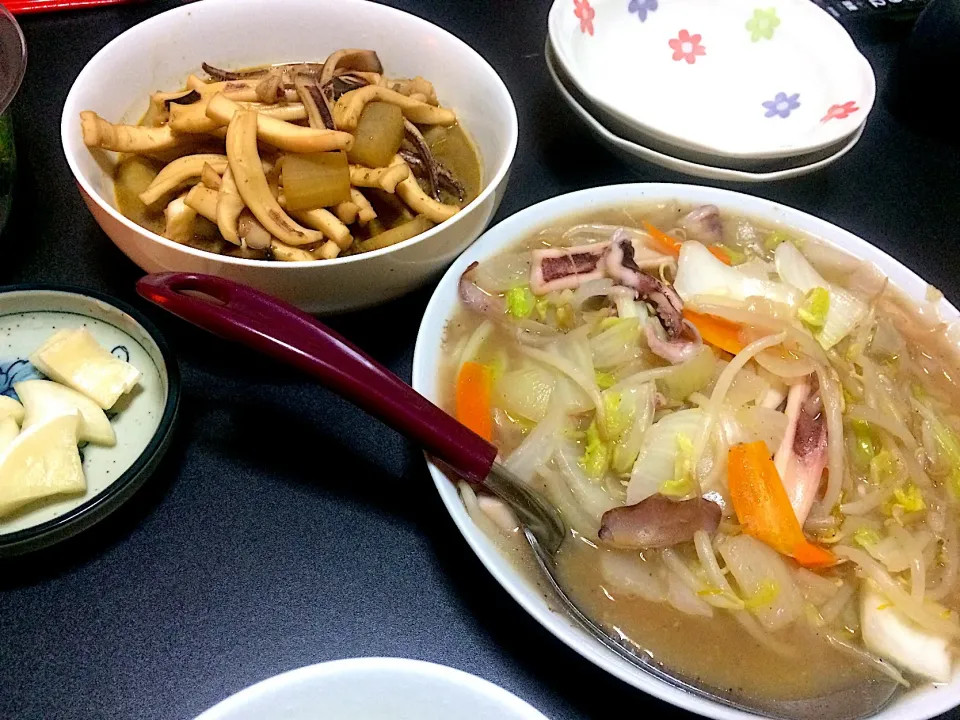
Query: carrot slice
669, 244
720, 254
813, 556
474, 385
718, 332
763, 508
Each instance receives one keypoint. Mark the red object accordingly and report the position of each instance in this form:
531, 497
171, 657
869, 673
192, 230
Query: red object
840, 112
249, 317
585, 15
687, 47
21, 7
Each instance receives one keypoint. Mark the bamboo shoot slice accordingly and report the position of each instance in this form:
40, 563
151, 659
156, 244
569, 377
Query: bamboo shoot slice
40, 463
74, 358
44, 400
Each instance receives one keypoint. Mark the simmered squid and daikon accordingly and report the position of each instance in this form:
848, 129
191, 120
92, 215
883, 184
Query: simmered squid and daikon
294, 162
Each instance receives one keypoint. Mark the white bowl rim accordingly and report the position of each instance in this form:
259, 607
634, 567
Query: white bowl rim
931, 700
489, 186
866, 69
690, 167
442, 673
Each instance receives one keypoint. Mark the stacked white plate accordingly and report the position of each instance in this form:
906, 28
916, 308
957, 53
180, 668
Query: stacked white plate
747, 90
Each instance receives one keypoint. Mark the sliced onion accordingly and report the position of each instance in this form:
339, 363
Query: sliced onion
785, 364
723, 385
884, 422
538, 447
832, 399
753, 565
590, 233
829, 259
574, 516
684, 599
657, 458
525, 392
925, 614
591, 496
757, 268
814, 588
633, 575
592, 288
747, 387
503, 272
760, 423
578, 375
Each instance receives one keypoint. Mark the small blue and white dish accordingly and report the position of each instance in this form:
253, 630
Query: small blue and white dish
143, 420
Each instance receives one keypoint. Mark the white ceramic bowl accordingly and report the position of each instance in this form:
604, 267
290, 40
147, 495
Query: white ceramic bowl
916, 705
162, 51
373, 689
729, 79
628, 150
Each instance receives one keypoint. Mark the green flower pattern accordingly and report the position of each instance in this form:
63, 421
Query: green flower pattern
762, 24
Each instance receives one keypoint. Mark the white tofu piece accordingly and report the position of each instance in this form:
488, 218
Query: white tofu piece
74, 358
8, 431
888, 633
43, 400
11, 408
41, 462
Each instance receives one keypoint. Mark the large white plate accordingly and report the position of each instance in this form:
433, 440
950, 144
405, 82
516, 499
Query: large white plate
688, 167
373, 689
917, 705
738, 78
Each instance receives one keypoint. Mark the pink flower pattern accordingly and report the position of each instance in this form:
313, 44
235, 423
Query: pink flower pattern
840, 112
687, 47
585, 13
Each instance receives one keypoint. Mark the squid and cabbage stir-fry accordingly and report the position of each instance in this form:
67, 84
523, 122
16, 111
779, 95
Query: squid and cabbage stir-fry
752, 437
294, 162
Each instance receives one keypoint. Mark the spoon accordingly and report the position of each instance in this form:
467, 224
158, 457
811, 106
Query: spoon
244, 315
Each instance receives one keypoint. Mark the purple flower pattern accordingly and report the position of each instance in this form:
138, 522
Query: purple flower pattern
782, 105
642, 8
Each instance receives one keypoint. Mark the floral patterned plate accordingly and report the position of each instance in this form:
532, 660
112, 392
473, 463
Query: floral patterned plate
28, 316
630, 152
734, 79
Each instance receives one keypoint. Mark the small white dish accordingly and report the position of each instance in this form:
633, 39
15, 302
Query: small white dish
143, 420
117, 81
737, 79
919, 704
711, 172
373, 689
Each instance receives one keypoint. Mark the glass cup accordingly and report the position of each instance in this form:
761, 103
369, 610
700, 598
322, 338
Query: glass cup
13, 63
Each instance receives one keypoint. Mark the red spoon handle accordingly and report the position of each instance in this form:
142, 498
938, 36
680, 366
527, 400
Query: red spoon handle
18, 7
247, 316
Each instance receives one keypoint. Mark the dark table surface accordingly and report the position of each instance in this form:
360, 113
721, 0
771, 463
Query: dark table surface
287, 528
